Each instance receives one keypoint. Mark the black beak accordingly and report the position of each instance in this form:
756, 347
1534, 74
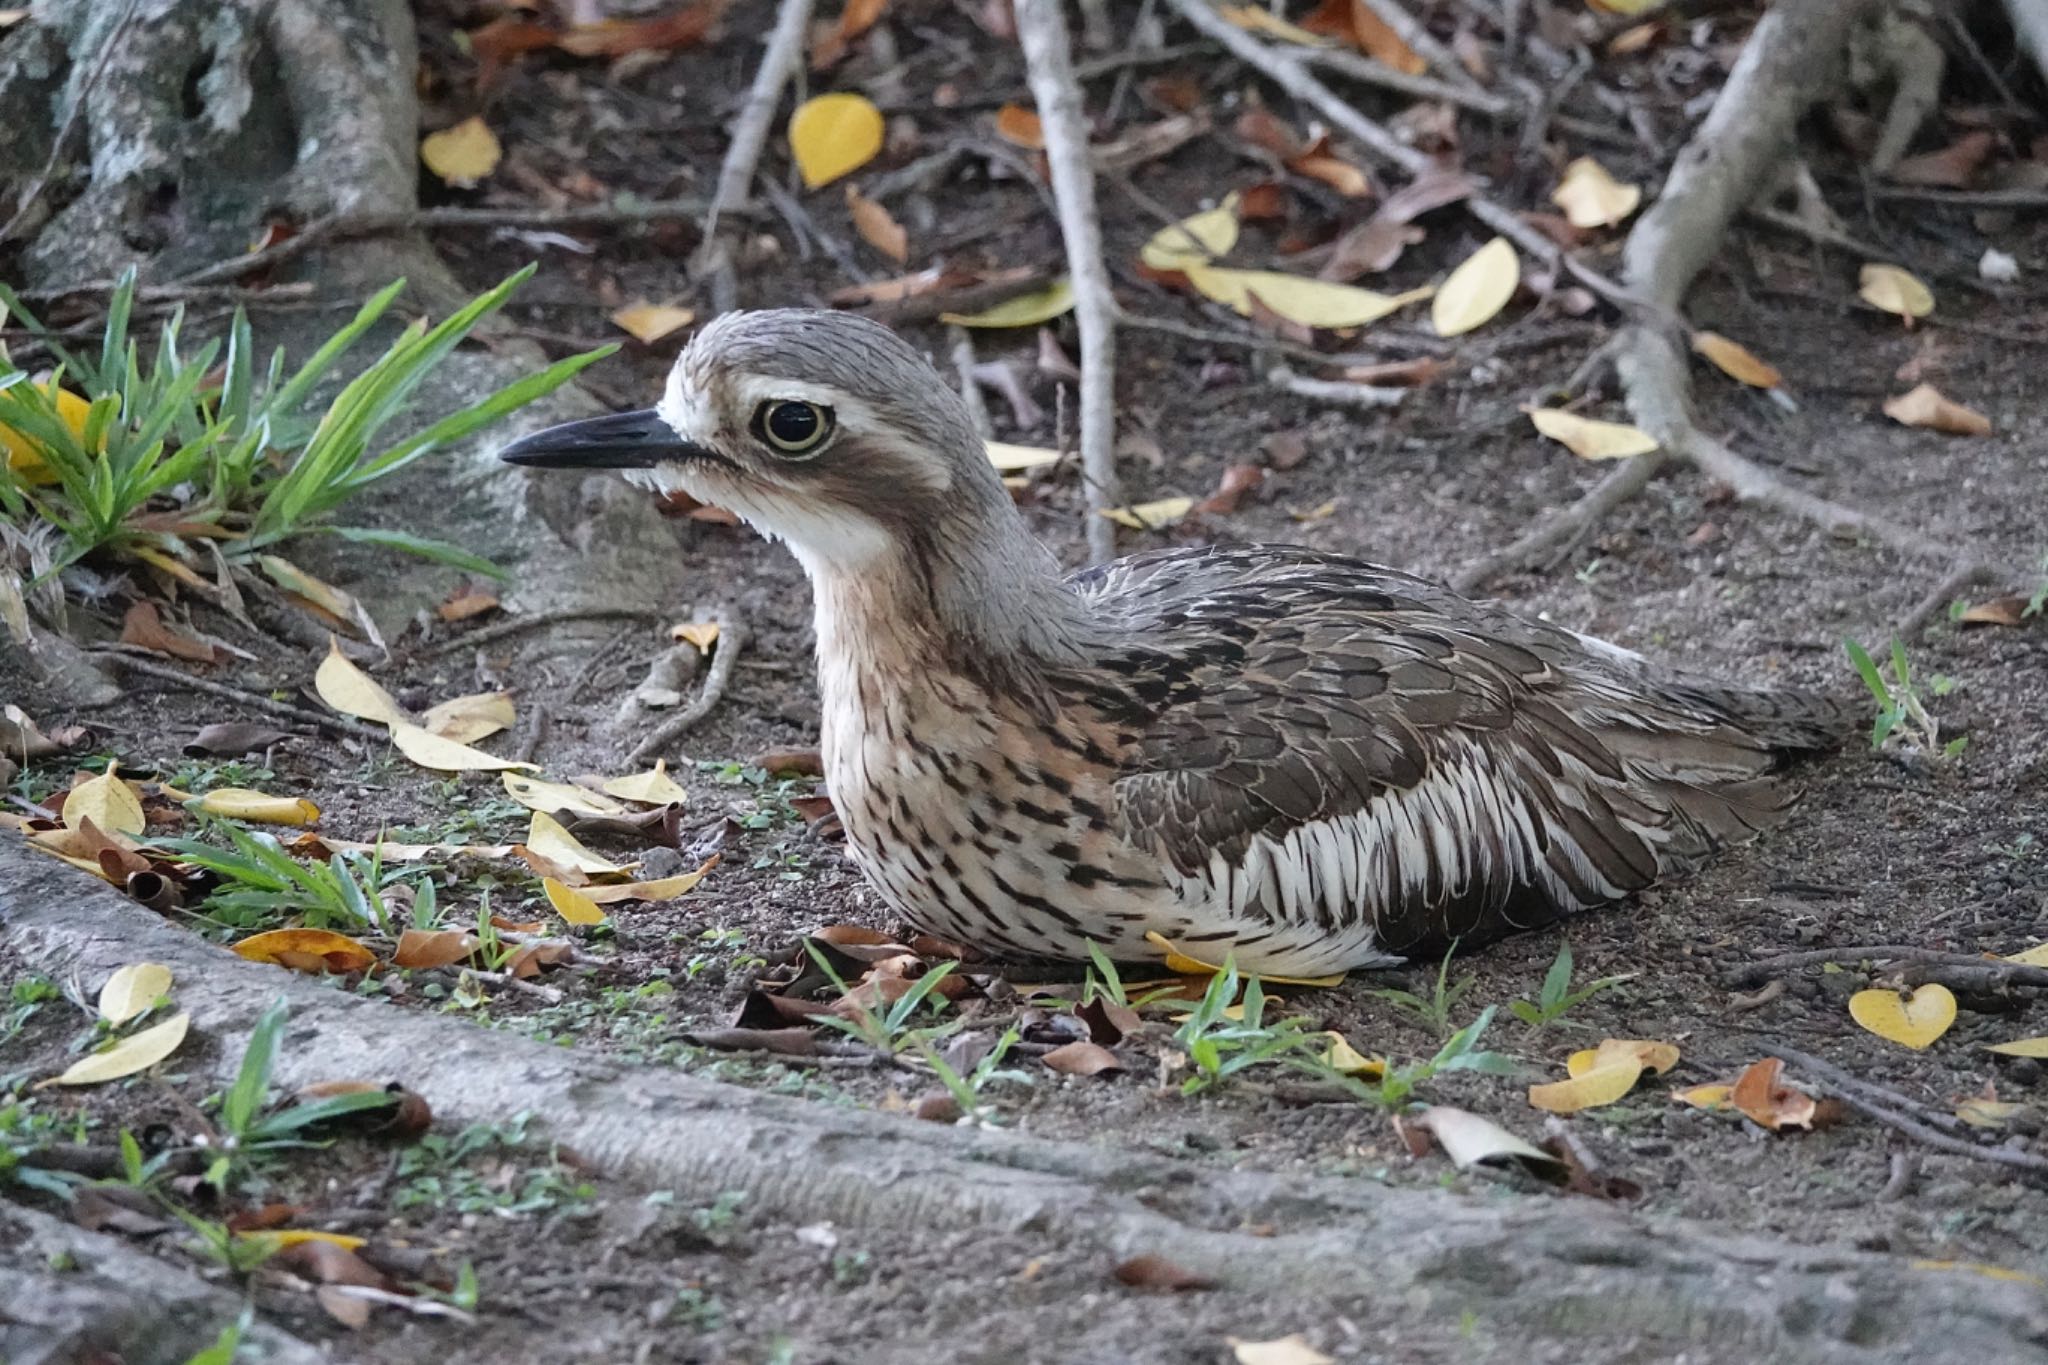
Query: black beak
624, 440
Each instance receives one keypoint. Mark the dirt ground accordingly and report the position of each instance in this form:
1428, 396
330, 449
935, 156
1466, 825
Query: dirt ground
1886, 848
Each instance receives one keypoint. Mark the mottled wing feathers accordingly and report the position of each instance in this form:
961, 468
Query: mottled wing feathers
1315, 740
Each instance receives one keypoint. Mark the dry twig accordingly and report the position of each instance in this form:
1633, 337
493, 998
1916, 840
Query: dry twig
1930, 963
1871, 1101
519, 625
1049, 61
732, 638
128, 663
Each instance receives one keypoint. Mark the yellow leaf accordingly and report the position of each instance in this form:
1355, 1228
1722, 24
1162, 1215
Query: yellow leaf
650, 322
1988, 1271
239, 803
1588, 438
429, 750
834, 135
702, 634
1984, 1111
551, 797
1288, 1350
108, 801
2021, 1047
1625, 7
1592, 198
1712, 1098
353, 692
321, 594
307, 950
571, 904
1895, 291
1014, 459
1604, 1084
132, 989
469, 718
1736, 360
1150, 516
877, 226
1912, 1022
1341, 1056
1479, 288
1025, 310
277, 1239
2036, 956
1178, 961
1257, 20
25, 456
655, 787
137, 1052
1194, 240
660, 889
1927, 407
462, 155
1656, 1056
545, 836
1312, 303
1020, 127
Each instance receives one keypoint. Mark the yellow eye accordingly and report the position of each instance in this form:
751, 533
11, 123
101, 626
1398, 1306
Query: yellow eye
793, 427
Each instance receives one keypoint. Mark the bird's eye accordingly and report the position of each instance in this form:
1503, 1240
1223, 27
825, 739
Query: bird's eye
793, 427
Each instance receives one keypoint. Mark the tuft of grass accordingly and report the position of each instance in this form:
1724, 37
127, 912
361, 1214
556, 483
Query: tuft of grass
1901, 711
1555, 998
1434, 1010
262, 885
134, 457
890, 1029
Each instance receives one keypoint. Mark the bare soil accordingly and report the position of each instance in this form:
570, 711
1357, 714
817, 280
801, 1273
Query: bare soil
1892, 847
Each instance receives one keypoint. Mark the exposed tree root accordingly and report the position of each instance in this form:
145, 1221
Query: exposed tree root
1049, 64
1548, 1268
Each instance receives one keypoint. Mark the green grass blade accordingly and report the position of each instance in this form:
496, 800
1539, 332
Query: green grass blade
440, 551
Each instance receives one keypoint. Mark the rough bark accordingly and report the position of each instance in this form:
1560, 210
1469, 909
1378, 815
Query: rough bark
1547, 1269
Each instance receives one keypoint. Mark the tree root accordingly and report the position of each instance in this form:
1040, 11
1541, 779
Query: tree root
1049, 63
1540, 1266
1930, 964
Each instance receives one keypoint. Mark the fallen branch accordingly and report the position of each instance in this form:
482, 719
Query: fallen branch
1049, 66
1984, 972
732, 638
519, 625
1337, 390
1516, 1265
255, 701
1860, 1096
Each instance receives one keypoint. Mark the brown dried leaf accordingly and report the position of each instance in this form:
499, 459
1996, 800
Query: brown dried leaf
2000, 611
1083, 1059
1237, 480
429, 948
1153, 1271
1759, 1097
1925, 406
685, 26
1954, 167
1354, 22
1020, 127
877, 227
466, 601
143, 628
831, 41
1369, 248
1736, 361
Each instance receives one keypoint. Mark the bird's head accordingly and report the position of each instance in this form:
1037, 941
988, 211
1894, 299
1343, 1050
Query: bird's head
822, 429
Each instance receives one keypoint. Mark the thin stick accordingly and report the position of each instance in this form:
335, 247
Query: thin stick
128, 663
1049, 67
1338, 390
1966, 575
1996, 971
1566, 527
779, 66
961, 342
732, 638
520, 624
1423, 43
550, 995
1852, 1094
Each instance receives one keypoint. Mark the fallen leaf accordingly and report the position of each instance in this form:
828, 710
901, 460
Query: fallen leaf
1354, 22
1589, 438
1592, 198
1369, 248
2036, 956
660, 889
107, 800
1478, 289
1312, 303
2003, 611
1469, 1139
1736, 361
545, 836
1925, 406
702, 634
1082, 1059
1914, 1022
1024, 310
353, 692
429, 750
1759, 1097
684, 26
233, 737
654, 787
1195, 240
1011, 459
1153, 1271
833, 135
830, 41
1649, 1053
1287, 1350
1020, 127
240, 803
1600, 1085
469, 718
307, 950
1184, 963
649, 322
143, 628
877, 226
21, 738
1237, 480
1420, 370
1340, 1056
557, 797
429, 948
2021, 1047
1715, 1099
465, 602
1254, 19
462, 155
132, 989
1893, 290
1987, 1110
1334, 171
571, 904
137, 1052
1150, 516
1953, 167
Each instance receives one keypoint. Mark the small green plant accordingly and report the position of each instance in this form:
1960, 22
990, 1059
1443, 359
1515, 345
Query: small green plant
199, 778
1901, 710
480, 1170
1220, 1045
26, 1130
25, 999
262, 885
1556, 998
1433, 1012
889, 1029
217, 1242
228, 1344
1103, 982
123, 453
1396, 1086
966, 1090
